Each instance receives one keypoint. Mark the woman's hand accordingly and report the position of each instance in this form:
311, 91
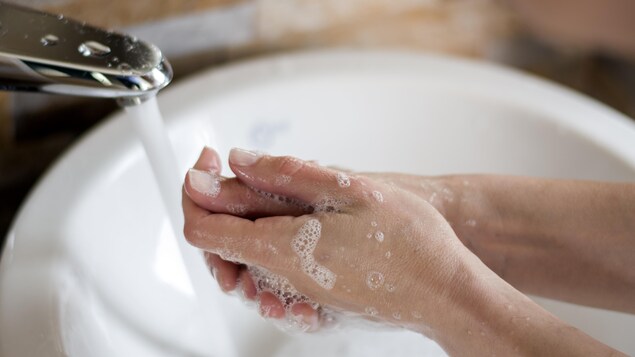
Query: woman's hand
366, 245
238, 199
352, 243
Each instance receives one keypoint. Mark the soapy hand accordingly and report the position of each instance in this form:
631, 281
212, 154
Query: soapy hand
314, 245
347, 243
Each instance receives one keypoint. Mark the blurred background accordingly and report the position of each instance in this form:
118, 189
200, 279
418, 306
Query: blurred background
587, 45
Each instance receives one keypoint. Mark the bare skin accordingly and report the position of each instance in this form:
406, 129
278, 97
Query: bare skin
441, 288
543, 236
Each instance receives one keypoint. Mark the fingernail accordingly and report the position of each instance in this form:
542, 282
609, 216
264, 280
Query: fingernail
204, 182
243, 157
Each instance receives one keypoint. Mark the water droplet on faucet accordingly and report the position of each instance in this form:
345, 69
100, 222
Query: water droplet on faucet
49, 40
93, 49
125, 68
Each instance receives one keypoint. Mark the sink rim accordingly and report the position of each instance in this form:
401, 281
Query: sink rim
607, 128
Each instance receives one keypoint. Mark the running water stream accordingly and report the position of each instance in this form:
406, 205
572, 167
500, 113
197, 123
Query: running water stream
148, 124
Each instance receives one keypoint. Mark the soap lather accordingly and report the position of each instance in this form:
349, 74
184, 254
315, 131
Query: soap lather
41, 52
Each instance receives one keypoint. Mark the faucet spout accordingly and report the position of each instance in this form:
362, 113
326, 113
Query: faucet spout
42, 52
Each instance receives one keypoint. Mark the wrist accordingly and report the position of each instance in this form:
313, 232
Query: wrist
486, 317
470, 211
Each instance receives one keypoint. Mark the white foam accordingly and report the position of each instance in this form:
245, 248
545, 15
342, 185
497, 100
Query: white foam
329, 204
319, 273
286, 293
282, 180
237, 208
343, 180
378, 196
230, 256
266, 281
303, 245
374, 280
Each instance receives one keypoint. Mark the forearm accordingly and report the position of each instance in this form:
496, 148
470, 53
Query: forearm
492, 318
568, 240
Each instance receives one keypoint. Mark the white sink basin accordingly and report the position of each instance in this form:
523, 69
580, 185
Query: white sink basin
89, 268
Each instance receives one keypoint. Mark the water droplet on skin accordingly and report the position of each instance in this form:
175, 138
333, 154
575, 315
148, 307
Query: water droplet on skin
379, 236
471, 222
371, 311
390, 288
373, 223
49, 40
60, 17
93, 49
374, 280
396, 315
343, 180
282, 180
378, 196
388, 254
416, 315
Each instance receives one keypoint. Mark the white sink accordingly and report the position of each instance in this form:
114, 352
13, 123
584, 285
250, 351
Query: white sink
89, 268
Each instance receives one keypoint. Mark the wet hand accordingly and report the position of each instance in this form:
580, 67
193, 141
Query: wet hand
368, 247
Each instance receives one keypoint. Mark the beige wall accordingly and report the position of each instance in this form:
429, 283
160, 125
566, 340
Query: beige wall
186, 30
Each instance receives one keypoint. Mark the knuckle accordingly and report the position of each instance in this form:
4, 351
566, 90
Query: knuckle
194, 235
188, 232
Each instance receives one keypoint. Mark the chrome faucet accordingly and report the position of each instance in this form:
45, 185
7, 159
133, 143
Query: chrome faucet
42, 52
